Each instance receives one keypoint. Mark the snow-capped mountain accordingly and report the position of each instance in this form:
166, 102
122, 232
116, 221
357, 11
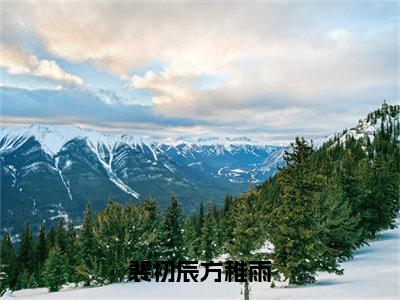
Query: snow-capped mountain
386, 115
51, 171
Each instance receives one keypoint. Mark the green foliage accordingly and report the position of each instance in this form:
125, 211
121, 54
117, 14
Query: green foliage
41, 252
247, 232
71, 251
25, 253
332, 200
120, 234
191, 238
61, 236
297, 233
152, 230
246, 221
56, 270
209, 235
8, 264
86, 247
172, 241
315, 212
51, 238
24, 280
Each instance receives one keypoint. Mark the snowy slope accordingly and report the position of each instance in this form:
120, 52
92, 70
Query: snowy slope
372, 274
54, 137
51, 168
368, 126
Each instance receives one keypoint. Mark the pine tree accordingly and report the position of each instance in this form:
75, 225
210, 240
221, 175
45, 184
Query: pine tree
71, 251
61, 236
247, 233
340, 225
56, 270
191, 238
8, 264
172, 232
152, 229
24, 279
121, 234
227, 223
51, 238
383, 199
113, 237
25, 253
41, 252
352, 174
199, 222
382, 203
86, 247
208, 236
300, 250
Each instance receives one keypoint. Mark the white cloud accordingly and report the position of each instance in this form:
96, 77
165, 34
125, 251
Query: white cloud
17, 62
50, 70
283, 64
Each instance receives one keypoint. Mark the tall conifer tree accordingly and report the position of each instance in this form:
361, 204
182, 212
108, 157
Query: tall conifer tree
172, 231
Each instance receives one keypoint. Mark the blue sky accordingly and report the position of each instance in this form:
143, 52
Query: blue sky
268, 70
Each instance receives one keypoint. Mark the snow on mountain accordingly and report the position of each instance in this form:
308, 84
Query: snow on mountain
368, 126
54, 137
66, 166
272, 162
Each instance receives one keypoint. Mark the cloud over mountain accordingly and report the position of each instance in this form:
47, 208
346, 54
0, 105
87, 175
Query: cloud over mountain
265, 66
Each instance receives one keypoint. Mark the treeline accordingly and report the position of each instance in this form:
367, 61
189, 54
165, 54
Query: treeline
96, 253
315, 212
326, 203
100, 250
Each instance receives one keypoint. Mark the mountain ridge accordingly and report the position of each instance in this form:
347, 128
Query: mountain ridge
54, 137
51, 171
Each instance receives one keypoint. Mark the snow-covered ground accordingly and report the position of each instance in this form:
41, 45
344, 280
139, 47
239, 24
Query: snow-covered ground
373, 274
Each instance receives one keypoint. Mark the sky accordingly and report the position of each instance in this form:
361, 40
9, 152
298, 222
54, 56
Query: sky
268, 70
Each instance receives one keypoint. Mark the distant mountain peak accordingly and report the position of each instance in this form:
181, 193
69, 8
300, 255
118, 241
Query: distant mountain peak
54, 137
369, 125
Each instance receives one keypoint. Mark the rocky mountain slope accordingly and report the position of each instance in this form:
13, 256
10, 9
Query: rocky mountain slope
52, 171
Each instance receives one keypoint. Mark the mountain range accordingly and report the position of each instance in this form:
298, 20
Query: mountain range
52, 171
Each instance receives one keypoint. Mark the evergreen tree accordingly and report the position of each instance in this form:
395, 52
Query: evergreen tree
226, 223
200, 219
152, 229
191, 238
316, 212
248, 235
86, 247
51, 238
199, 222
353, 174
61, 236
121, 236
208, 236
8, 264
56, 270
340, 225
297, 235
71, 251
25, 253
41, 252
172, 232
382, 203
24, 279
